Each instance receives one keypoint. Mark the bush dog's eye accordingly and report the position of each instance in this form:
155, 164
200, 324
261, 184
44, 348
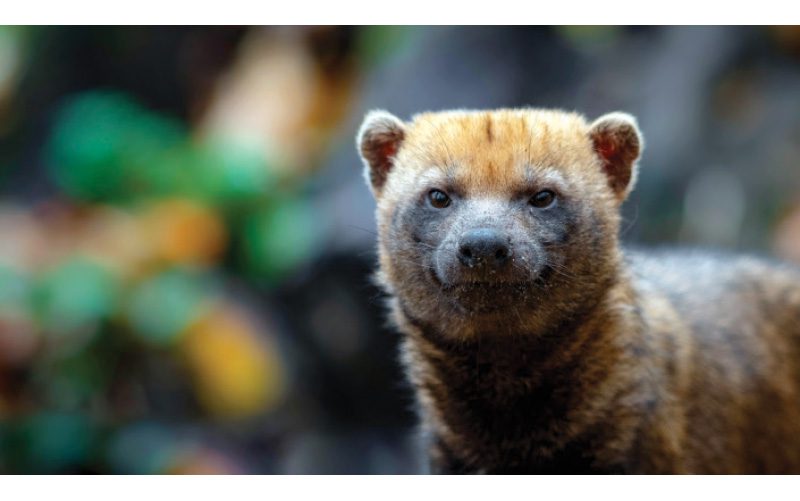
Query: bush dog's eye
438, 199
544, 198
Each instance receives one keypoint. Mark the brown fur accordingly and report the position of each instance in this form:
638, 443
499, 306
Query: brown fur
605, 361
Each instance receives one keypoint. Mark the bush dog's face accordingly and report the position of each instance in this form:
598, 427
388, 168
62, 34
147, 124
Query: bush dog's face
501, 217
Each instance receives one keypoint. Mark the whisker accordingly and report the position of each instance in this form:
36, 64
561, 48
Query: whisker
631, 222
365, 230
413, 262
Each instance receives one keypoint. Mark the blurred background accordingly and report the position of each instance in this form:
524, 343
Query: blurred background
186, 240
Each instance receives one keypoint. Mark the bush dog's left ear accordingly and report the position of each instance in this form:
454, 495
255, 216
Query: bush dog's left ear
618, 143
378, 141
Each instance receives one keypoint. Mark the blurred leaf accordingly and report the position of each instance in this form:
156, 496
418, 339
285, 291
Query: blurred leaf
160, 308
76, 294
234, 174
106, 147
15, 289
238, 374
377, 42
141, 449
279, 238
53, 443
78, 380
185, 232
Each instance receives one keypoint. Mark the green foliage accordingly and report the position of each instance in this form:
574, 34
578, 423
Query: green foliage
15, 289
278, 238
375, 43
51, 442
76, 294
104, 147
160, 308
141, 449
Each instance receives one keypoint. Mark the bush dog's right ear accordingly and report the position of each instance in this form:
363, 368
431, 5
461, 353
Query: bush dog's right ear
378, 141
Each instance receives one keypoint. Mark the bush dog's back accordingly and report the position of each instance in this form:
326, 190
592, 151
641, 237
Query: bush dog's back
534, 343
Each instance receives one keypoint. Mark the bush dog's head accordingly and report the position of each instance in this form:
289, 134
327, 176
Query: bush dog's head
498, 221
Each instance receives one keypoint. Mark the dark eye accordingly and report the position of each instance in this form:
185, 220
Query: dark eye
439, 199
544, 198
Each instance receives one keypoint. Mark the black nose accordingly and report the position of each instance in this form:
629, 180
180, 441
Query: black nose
483, 247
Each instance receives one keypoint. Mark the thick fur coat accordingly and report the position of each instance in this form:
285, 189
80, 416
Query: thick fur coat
554, 351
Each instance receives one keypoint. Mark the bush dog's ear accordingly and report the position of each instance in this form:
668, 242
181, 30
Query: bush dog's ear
618, 143
378, 141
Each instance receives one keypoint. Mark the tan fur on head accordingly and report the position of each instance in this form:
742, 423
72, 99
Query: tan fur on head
504, 140
496, 155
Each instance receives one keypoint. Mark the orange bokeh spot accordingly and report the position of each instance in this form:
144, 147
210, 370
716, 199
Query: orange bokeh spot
184, 231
